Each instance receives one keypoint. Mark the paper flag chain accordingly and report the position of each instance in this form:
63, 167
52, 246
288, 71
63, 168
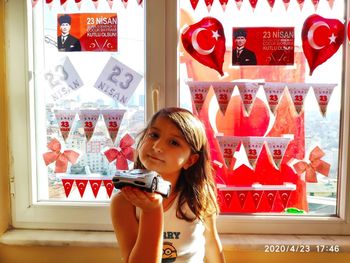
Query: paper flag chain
313, 166
61, 159
256, 192
79, 2
81, 184
248, 90
121, 154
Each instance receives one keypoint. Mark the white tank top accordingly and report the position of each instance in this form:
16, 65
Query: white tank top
183, 242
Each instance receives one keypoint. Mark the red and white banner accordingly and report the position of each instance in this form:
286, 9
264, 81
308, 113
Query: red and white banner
89, 119
70, 183
113, 119
65, 120
199, 93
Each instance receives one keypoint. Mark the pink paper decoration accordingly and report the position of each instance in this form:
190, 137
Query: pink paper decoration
121, 154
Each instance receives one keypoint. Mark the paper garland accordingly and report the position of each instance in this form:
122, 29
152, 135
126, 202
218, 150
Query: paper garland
276, 146
112, 119
82, 183
273, 92
257, 192
79, 2
253, 3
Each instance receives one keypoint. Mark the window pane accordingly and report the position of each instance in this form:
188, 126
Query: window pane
86, 111
277, 112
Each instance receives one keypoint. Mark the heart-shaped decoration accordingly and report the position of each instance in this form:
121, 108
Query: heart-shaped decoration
205, 42
321, 38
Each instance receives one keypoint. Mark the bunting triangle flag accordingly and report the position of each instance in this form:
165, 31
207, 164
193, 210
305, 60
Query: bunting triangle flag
239, 4
194, 3
323, 93
228, 146
223, 4
63, 4
301, 4
95, 2
65, 120
273, 93
286, 4
330, 3
95, 186
109, 186
67, 185
209, 4
256, 195
242, 197
125, 3
223, 94
271, 3
277, 147
271, 197
81, 184
34, 2
198, 93
78, 3
315, 3
298, 92
113, 119
89, 119
253, 3
285, 196
110, 3
139, 2
227, 197
253, 147
49, 3
248, 91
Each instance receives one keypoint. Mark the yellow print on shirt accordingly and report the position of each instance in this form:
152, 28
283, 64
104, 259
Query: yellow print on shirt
169, 253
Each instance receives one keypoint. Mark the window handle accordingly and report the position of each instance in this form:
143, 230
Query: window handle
155, 97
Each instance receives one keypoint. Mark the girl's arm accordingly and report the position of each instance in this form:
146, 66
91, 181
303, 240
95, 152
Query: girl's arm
138, 241
213, 248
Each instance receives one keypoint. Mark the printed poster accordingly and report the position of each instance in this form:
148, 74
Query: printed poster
87, 32
262, 46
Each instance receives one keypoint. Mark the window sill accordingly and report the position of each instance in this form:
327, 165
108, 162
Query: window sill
231, 242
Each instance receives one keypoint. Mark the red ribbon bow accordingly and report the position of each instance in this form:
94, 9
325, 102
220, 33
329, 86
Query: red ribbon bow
121, 154
315, 165
61, 159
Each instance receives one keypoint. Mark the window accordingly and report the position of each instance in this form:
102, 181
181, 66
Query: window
252, 195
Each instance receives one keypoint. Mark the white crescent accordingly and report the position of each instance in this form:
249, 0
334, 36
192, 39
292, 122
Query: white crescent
95, 185
81, 185
67, 185
196, 45
310, 34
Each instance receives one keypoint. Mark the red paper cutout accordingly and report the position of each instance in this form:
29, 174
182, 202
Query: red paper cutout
81, 184
256, 195
61, 159
286, 3
121, 154
95, 186
242, 197
239, 4
194, 3
271, 3
301, 3
284, 195
67, 185
223, 4
209, 4
271, 197
253, 3
321, 38
109, 186
205, 41
315, 165
227, 197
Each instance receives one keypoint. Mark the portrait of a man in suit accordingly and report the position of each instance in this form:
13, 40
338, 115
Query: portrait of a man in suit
65, 41
241, 55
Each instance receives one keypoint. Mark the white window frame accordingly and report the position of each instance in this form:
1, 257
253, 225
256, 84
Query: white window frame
162, 50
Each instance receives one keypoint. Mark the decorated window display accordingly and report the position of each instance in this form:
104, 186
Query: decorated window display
265, 77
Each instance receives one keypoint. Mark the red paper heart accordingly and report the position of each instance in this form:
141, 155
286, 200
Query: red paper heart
321, 39
205, 42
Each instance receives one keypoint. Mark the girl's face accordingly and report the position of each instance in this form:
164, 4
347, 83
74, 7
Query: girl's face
165, 150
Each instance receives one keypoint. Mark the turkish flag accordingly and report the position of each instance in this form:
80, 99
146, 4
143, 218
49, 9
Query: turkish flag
205, 42
321, 39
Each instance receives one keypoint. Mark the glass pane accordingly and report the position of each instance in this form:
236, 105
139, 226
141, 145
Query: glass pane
88, 91
265, 113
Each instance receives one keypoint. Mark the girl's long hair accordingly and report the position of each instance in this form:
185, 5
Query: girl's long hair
195, 185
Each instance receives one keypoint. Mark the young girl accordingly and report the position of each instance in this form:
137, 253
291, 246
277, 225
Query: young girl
182, 227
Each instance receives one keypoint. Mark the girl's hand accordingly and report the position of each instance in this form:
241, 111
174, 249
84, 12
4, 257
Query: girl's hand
147, 202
